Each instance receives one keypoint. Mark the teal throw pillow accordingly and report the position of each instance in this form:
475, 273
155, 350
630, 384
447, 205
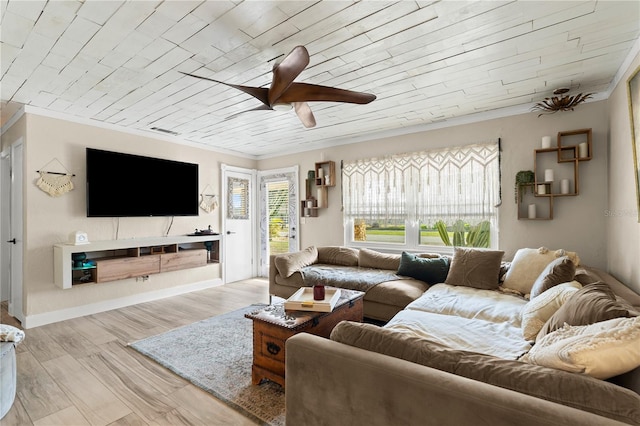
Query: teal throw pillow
429, 270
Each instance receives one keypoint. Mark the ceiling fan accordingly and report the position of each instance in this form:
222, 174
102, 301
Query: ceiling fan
284, 93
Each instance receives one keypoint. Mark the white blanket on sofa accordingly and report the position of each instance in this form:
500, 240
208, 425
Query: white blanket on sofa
488, 305
485, 321
499, 339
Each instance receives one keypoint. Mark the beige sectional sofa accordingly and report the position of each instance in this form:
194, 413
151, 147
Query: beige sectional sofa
381, 302
461, 354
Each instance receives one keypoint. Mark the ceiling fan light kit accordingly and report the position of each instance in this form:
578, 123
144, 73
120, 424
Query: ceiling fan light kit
282, 107
284, 94
560, 103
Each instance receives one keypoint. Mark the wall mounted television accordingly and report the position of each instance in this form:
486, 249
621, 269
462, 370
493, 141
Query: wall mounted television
126, 185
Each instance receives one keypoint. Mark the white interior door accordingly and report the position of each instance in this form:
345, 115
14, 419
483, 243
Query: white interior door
238, 227
5, 230
16, 226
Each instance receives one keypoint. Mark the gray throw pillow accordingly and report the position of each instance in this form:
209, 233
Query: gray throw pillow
429, 270
474, 267
561, 270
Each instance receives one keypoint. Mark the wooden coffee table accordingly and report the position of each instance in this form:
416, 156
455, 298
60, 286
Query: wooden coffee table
273, 325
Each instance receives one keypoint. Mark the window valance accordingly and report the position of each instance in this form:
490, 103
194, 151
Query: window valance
446, 184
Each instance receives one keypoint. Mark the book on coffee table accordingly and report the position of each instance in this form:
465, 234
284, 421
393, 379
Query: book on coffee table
302, 300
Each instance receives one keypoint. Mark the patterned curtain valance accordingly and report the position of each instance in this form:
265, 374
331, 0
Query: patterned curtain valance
444, 184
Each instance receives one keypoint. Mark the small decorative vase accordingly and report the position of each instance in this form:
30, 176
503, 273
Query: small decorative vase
318, 292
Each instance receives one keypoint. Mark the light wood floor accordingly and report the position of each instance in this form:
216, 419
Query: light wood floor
80, 371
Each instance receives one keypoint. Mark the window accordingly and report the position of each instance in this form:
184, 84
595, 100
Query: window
444, 197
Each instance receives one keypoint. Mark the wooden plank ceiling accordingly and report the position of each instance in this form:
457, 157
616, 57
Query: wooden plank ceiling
118, 62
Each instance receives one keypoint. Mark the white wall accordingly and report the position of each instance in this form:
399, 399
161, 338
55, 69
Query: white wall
578, 224
623, 229
50, 220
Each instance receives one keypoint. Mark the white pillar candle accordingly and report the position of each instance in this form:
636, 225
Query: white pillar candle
542, 189
532, 211
546, 142
583, 150
548, 175
564, 186
321, 200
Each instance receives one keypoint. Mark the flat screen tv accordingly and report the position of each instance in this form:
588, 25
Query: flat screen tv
126, 185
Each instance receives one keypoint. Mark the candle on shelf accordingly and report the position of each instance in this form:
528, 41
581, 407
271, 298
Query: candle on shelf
321, 198
309, 203
583, 150
532, 211
546, 142
542, 189
564, 186
548, 175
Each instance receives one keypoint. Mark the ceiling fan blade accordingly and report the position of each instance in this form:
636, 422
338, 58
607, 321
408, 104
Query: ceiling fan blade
303, 92
286, 71
260, 93
258, 108
304, 114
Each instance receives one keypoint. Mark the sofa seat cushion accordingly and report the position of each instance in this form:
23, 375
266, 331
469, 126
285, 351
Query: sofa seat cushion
574, 390
467, 302
397, 292
492, 338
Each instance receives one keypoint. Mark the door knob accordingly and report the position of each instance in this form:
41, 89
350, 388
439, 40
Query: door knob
12, 241
230, 232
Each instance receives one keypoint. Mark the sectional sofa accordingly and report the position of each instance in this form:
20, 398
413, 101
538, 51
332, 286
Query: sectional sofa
537, 340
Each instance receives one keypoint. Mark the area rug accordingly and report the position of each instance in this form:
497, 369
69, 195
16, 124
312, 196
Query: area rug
216, 355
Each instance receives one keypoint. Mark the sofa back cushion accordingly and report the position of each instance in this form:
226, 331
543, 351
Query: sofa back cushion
374, 259
337, 255
474, 267
574, 390
289, 263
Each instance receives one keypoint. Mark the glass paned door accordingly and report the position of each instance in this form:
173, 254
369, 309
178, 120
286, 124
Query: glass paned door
278, 210
278, 214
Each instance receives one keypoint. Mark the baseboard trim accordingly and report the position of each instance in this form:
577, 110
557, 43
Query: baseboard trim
31, 321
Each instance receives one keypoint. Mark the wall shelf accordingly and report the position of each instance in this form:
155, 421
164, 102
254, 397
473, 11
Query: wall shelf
324, 178
104, 261
572, 147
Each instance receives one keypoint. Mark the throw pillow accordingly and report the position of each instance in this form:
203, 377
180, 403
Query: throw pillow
337, 255
592, 303
601, 350
374, 259
290, 263
539, 310
429, 270
528, 264
474, 267
560, 270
